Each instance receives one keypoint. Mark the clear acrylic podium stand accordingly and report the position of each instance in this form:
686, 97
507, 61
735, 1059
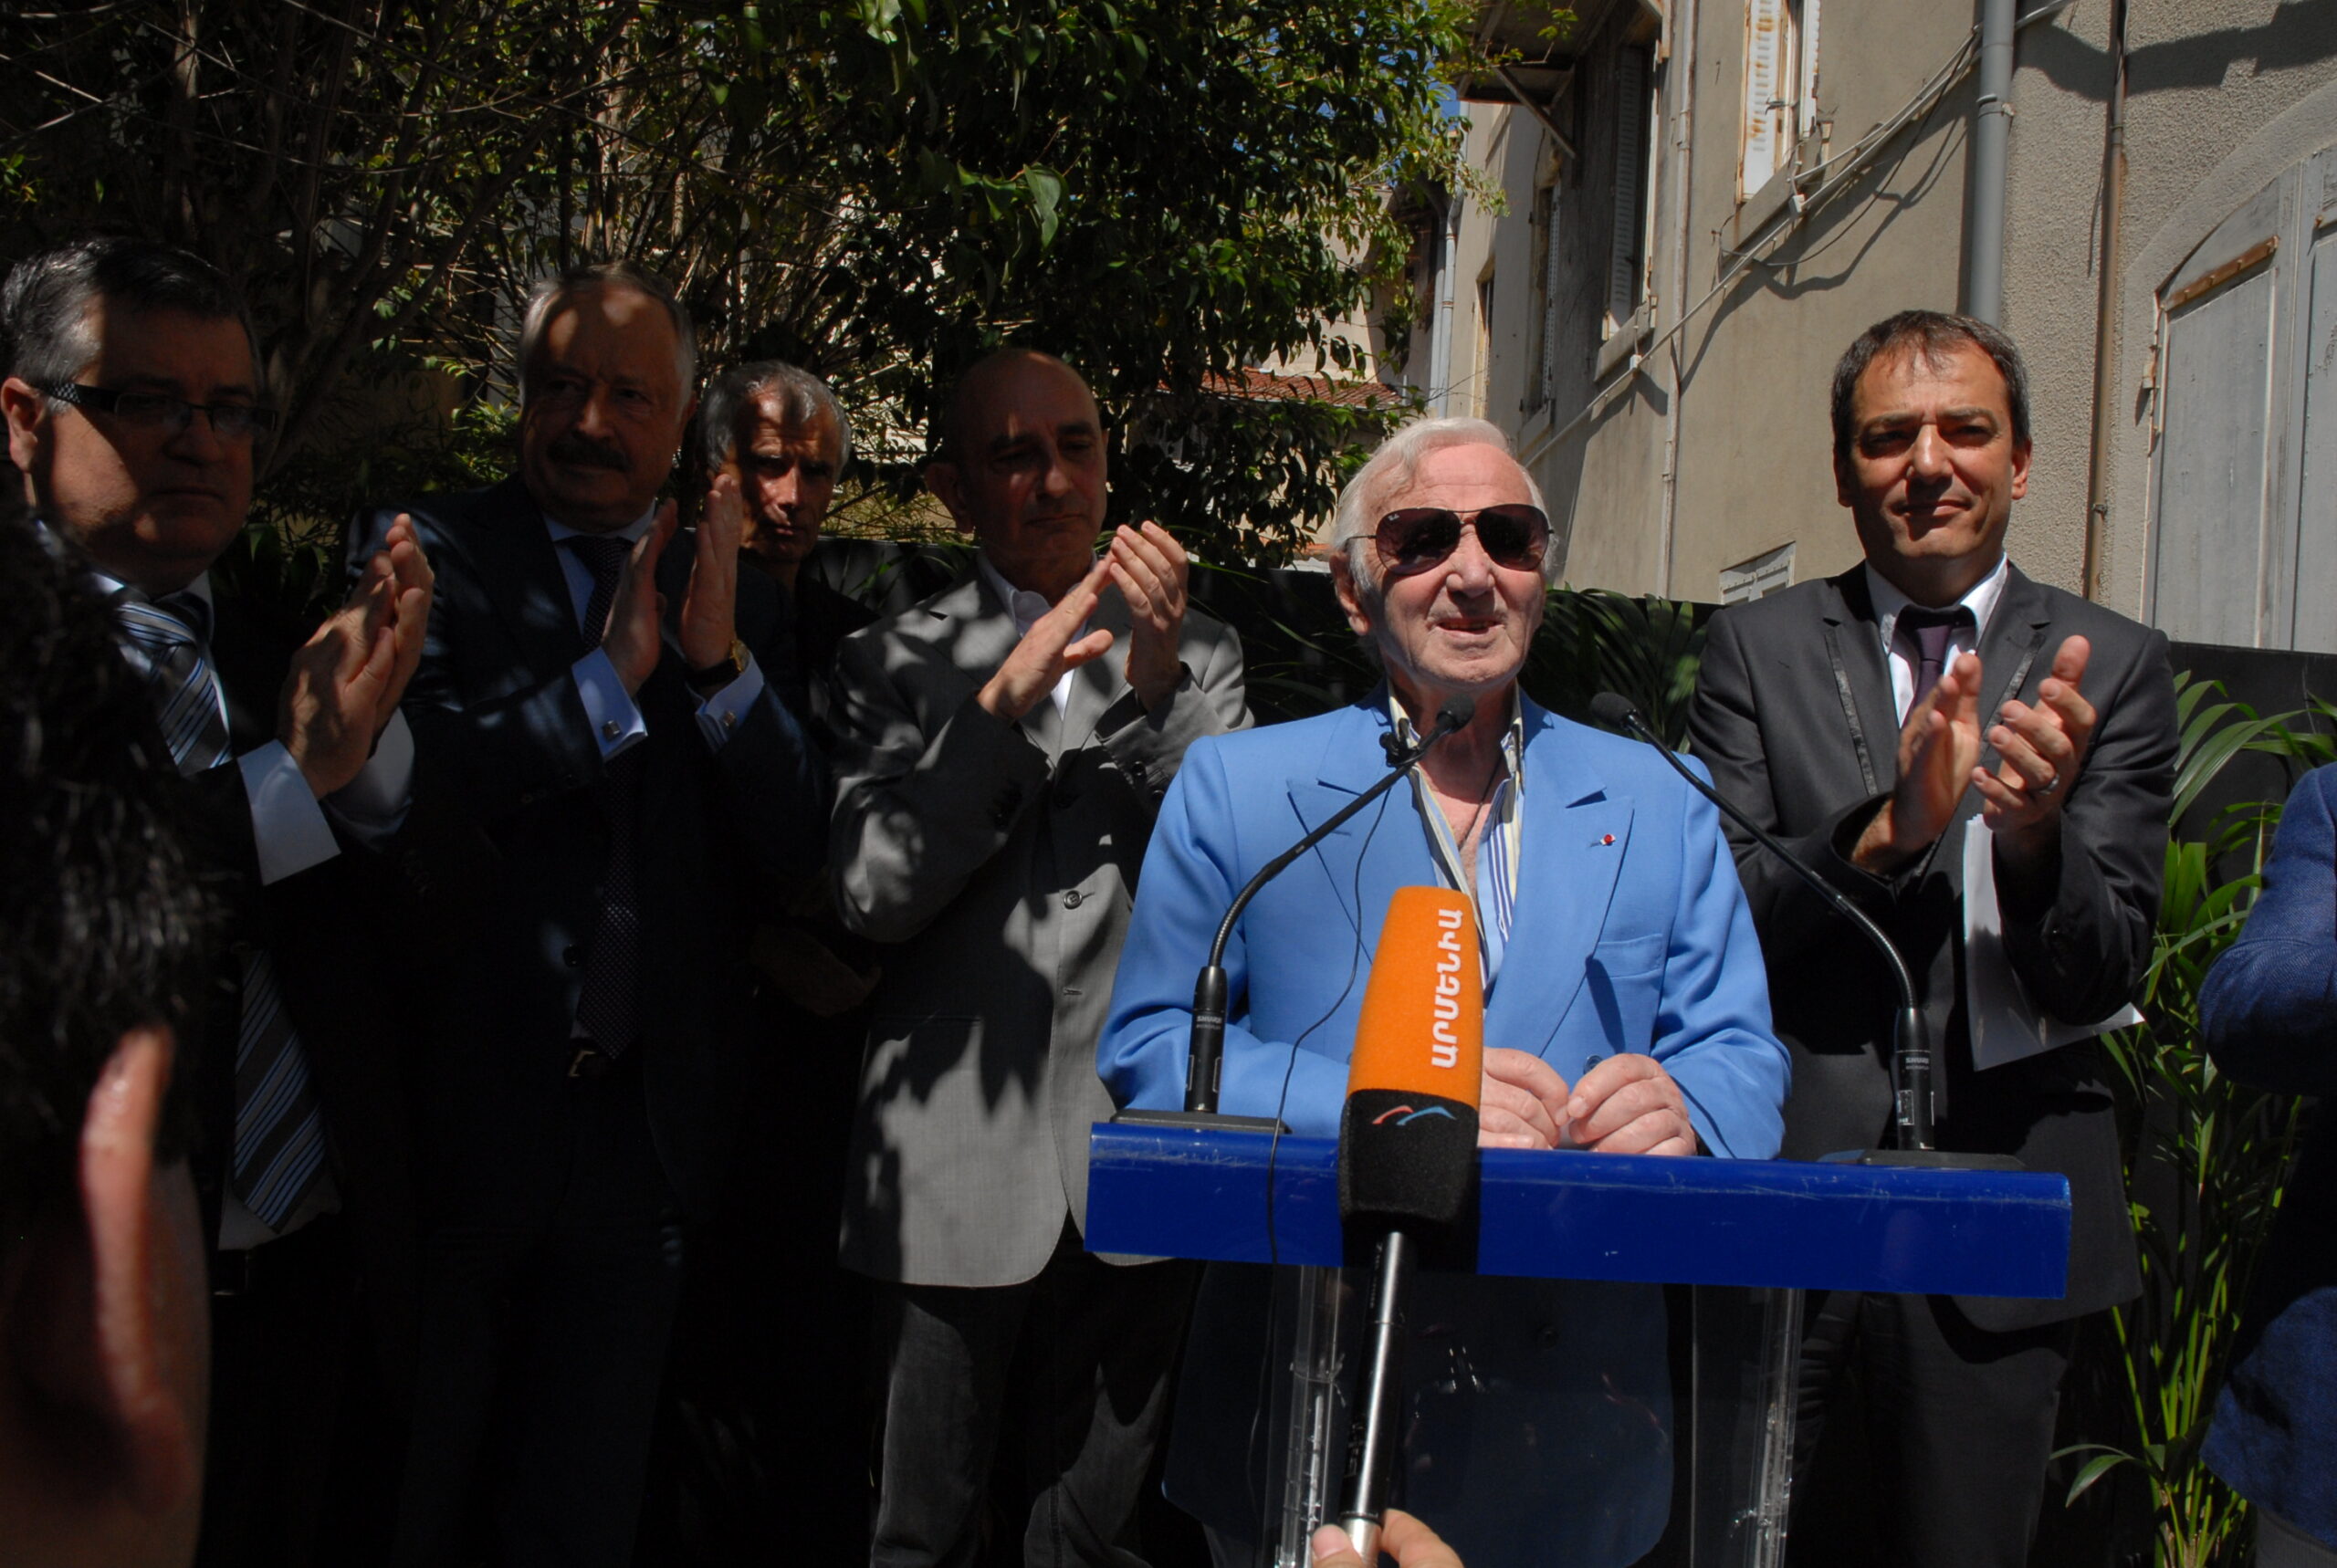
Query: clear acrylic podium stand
1616, 1386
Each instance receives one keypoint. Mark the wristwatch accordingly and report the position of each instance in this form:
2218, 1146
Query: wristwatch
713, 677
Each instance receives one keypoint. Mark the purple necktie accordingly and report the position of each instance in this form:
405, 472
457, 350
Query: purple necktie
1930, 630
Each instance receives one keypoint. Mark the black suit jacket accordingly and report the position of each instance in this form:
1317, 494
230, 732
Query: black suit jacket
334, 930
1794, 714
509, 841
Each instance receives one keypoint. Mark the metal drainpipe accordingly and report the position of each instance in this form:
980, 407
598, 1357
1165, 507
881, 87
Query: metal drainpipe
1683, 69
2105, 321
1444, 271
1984, 244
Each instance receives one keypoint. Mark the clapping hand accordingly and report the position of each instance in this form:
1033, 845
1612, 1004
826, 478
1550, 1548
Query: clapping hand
1052, 646
345, 683
1148, 566
1939, 746
2041, 749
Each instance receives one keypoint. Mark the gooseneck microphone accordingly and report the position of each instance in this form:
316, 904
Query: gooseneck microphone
1910, 1046
1408, 1150
1208, 1049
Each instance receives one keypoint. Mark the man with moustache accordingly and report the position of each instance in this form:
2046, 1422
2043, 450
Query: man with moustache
606, 786
1003, 748
1880, 723
134, 411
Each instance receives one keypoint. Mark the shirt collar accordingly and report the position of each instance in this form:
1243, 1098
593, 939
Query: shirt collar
1022, 604
113, 587
1888, 602
1513, 735
631, 533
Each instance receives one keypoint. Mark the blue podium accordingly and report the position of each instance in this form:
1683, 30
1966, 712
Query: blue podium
1745, 1236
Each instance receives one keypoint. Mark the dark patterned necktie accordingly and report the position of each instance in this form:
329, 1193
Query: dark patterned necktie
1931, 632
610, 1007
279, 1127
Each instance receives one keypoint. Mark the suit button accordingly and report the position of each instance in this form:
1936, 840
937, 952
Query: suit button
1072, 900
572, 956
1064, 795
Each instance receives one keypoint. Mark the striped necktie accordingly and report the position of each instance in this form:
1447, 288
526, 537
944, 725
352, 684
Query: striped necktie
279, 1127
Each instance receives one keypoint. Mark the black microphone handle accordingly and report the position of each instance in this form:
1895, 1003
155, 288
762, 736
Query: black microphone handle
1205, 1054
1910, 1053
1378, 1426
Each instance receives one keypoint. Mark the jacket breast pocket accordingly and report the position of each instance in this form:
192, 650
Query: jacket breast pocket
1626, 983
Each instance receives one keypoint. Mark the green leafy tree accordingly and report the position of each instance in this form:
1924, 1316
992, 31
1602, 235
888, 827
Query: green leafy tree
1161, 191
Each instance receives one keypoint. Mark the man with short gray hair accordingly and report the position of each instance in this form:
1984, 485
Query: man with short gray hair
780, 431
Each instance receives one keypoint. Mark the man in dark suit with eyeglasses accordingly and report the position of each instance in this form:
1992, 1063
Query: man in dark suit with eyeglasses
134, 407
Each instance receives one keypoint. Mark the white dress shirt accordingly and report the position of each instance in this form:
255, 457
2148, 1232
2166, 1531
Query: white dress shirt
1027, 607
617, 724
1888, 603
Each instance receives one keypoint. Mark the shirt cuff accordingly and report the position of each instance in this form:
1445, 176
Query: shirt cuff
617, 724
721, 713
289, 828
373, 804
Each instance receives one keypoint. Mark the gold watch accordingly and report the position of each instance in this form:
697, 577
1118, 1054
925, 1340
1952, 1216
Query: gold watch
713, 677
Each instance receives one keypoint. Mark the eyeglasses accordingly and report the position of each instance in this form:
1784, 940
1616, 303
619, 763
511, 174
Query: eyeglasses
1420, 538
159, 411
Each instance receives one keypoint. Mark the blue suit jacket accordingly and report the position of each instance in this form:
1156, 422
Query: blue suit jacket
2269, 1012
1631, 932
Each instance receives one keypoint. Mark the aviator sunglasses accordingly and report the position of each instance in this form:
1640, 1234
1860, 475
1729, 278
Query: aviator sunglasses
1420, 538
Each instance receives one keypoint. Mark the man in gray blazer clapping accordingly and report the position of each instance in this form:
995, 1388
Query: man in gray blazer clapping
1002, 750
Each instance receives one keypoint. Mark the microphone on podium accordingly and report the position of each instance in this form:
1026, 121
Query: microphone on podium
1205, 1058
1911, 1047
1408, 1135
1408, 1148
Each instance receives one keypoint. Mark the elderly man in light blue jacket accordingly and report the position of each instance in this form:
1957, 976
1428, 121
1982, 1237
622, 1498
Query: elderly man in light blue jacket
1626, 1008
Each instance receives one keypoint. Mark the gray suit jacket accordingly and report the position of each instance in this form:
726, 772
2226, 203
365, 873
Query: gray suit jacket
998, 862
1794, 714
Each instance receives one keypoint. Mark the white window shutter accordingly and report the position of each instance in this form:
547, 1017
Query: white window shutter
1766, 26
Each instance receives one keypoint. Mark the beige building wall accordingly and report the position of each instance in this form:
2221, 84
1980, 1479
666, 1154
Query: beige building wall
1718, 451
2223, 96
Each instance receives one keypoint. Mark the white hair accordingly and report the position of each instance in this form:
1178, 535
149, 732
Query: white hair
802, 399
1390, 473
556, 291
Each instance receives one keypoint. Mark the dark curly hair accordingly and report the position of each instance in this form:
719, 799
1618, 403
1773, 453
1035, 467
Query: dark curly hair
102, 924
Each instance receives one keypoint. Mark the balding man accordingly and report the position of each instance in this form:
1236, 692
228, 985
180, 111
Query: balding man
605, 788
1003, 750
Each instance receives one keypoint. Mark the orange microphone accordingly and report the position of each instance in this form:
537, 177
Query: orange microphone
1408, 1136
1407, 1152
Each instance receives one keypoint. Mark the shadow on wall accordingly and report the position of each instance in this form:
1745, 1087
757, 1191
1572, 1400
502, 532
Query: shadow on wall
2299, 33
